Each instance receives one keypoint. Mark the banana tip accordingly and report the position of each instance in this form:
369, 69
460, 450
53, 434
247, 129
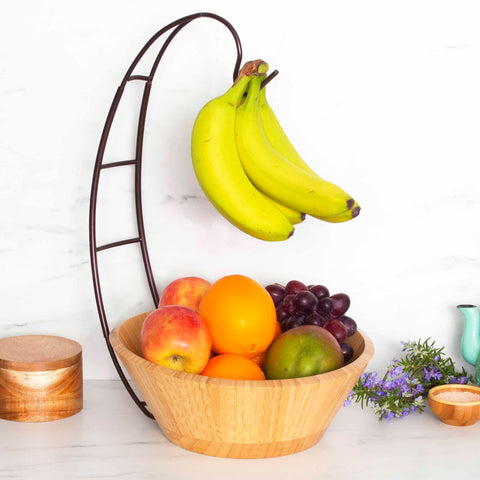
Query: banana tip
291, 233
355, 212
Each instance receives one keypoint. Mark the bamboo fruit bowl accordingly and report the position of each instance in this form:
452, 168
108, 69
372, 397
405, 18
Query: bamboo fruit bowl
238, 418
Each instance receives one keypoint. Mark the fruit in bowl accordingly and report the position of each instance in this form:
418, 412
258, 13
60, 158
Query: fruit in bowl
176, 337
230, 365
185, 291
288, 331
301, 352
240, 315
297, 304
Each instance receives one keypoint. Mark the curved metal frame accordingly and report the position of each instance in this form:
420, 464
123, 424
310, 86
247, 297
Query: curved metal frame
177, 25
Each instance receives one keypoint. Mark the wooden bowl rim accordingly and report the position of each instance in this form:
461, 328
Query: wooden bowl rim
432, 394
358, 364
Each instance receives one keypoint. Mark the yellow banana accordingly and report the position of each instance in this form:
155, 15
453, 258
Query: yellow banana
273, 174
275, 134
220, 173
279, 140
293, 216
343, 217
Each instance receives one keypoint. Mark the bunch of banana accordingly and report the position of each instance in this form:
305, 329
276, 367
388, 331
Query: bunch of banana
250, 171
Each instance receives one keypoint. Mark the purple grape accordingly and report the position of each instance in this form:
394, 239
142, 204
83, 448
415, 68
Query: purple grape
294, 286
281, 314
325, 305
349, 324
294, 322
276, 291
319, 291
305, 301
283, 323
347, 351
288, 303
341, 302
336, 328
315, 319
300, 315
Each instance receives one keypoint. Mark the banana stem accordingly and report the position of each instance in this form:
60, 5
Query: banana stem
253, 91
235, 94
252, 68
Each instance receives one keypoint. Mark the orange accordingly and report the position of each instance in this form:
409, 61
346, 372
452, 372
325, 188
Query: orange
230, 365
278, 330
240, 315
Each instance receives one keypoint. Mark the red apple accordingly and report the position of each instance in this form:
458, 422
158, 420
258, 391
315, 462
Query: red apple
176, 337
186, 291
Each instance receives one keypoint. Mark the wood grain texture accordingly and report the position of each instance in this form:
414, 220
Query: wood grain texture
459, 414
238, 418
40, 378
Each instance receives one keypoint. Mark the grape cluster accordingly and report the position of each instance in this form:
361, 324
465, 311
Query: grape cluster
296, 305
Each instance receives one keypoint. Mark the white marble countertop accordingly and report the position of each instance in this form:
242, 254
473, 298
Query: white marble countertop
111, 438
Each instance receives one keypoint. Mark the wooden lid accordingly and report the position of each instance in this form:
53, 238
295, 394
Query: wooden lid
38, 352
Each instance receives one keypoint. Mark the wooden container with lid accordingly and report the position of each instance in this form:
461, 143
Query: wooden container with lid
40, 378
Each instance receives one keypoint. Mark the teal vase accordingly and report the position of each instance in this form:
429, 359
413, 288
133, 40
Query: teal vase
471, 335
477, 370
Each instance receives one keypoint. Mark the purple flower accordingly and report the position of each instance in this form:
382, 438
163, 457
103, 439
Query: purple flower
389, 415
388, 386
398, 382
396, 371
432, 373
405, 388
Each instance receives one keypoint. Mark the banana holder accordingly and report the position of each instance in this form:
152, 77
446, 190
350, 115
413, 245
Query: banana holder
225, 418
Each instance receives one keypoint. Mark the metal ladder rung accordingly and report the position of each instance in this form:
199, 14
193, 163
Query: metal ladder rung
139, 77
118, 164
118, 244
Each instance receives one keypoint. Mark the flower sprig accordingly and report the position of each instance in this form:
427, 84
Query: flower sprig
406, 382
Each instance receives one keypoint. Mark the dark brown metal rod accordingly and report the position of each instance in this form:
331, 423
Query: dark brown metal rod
118, 164
93, 210
139, 77
269, 79
138, 194
187, 19
118, 244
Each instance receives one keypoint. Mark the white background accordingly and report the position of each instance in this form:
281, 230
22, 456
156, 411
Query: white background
382, 98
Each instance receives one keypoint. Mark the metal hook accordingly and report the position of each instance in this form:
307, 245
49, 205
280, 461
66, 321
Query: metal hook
269, 78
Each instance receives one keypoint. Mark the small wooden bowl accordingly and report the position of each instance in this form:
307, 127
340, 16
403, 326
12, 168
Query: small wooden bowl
40, 378
455, 413
238, 418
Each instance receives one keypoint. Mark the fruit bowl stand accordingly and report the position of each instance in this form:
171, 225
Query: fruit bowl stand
156, 382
